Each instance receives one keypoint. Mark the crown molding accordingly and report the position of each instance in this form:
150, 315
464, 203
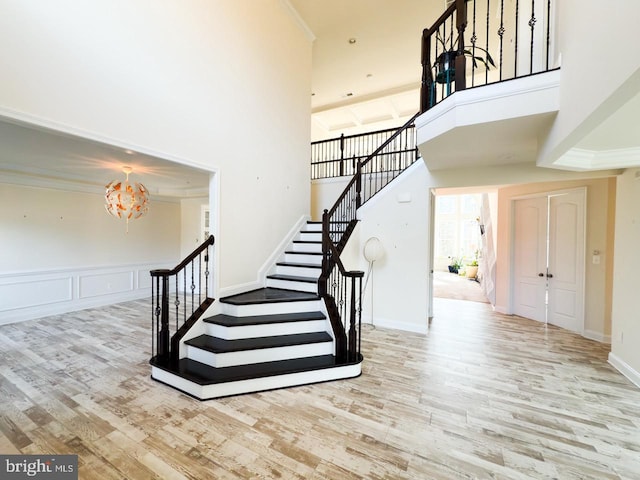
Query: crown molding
298, 20
583, 159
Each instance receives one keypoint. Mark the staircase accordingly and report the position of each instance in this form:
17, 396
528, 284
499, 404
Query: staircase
273, 337
302, 327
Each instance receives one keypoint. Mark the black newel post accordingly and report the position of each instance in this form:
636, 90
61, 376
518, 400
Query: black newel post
322, 287
358, 185
461, 59
342, 154
426, 100
163, 334
353, 340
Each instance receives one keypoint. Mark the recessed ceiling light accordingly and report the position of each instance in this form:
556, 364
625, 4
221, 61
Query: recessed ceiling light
352, 40
129, 152
369, 75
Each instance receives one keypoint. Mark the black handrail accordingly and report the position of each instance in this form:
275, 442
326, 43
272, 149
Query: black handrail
165, 346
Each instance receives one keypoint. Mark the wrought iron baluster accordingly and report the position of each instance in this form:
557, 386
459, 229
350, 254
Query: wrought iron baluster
515, 65
206, 272
501, 31
532, 24
548, 32
192, 286
486, 70
177, 302
473, 40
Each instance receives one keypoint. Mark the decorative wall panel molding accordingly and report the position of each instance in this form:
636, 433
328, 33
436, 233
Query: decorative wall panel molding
35, 294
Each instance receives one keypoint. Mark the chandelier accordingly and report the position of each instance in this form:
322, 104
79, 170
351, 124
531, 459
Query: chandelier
126, 200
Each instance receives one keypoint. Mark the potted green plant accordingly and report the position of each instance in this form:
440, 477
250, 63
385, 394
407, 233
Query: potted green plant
455, 265
446, 61
471, 270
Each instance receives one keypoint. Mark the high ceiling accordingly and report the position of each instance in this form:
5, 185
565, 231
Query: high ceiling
366, 71
364, 48
366, 61
348, 81
41, 157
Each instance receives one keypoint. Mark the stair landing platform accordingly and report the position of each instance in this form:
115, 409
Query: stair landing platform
269, 295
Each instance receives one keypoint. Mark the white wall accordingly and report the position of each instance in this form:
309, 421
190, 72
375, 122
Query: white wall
60, 251
400, 278
625, 335
191, 233
598, 73
324, 193
221, 85
398, 217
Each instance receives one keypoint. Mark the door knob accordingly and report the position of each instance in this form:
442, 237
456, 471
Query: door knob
549, 275
541, 274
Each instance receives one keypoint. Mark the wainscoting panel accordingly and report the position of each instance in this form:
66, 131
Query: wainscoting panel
22, 293
36, 294
105, 283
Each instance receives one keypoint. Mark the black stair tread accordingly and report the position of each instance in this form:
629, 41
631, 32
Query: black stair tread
299, 265
220, 345
269, 295
292, 278
203, 374
319, 222
231, 321
291, 252
307, 241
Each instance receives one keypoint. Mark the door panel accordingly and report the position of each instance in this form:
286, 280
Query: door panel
431, 239
566, 260
530, 258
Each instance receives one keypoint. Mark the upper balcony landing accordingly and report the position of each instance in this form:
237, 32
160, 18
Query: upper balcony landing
495, 124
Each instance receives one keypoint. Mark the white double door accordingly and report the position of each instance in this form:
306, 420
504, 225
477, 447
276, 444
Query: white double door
549, 253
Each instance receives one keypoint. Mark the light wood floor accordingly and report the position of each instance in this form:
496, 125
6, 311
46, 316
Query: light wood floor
481, 396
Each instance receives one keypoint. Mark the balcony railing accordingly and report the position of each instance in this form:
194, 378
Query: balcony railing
478, 42
338, 157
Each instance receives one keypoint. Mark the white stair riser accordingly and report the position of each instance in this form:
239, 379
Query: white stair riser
307, 247
291, 285
247, 357
310, 236
207, 392
302, 258
270, 308
267, 330
312, 227
298, 271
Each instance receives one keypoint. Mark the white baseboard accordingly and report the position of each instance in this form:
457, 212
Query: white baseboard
36, 294
396, 325
240, 288
597, 336
625, 369
501, 309
270, 264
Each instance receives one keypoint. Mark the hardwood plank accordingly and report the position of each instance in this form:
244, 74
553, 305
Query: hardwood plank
482, 395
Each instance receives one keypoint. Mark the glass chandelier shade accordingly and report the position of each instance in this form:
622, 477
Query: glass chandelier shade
126, 200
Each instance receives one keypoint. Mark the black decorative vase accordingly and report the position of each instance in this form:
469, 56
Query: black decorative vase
446, 67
